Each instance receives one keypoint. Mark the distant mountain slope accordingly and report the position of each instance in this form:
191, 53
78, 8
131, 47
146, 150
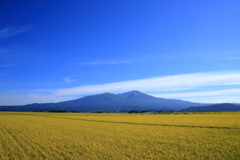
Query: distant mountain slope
107, 101
213, 108
128, 100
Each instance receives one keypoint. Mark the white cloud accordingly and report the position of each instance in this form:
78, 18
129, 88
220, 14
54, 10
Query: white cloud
7, 32
158, 84
214, 99
31, 98
226, 92
3, 51
105, 63
231, 58
6, 65
69, 79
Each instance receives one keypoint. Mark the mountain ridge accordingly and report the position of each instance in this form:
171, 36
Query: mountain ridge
108, 101
213, 108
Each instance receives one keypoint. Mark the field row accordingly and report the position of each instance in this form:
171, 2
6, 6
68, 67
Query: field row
235, 126
221, 120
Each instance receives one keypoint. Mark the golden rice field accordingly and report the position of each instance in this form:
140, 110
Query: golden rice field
90, 136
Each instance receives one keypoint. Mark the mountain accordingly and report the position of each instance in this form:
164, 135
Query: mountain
213, 108
109, 102
125, 101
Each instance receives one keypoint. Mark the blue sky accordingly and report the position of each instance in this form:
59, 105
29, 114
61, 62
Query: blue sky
53, 51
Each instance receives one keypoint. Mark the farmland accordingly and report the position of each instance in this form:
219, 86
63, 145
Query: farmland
30, 135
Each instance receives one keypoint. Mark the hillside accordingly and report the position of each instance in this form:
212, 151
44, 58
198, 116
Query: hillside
213, 108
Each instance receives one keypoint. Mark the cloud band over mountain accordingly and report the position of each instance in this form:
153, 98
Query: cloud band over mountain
159, 84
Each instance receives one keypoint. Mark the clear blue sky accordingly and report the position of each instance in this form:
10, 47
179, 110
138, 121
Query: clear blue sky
52, 51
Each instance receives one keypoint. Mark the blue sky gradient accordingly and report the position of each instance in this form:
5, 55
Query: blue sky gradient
52, 51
